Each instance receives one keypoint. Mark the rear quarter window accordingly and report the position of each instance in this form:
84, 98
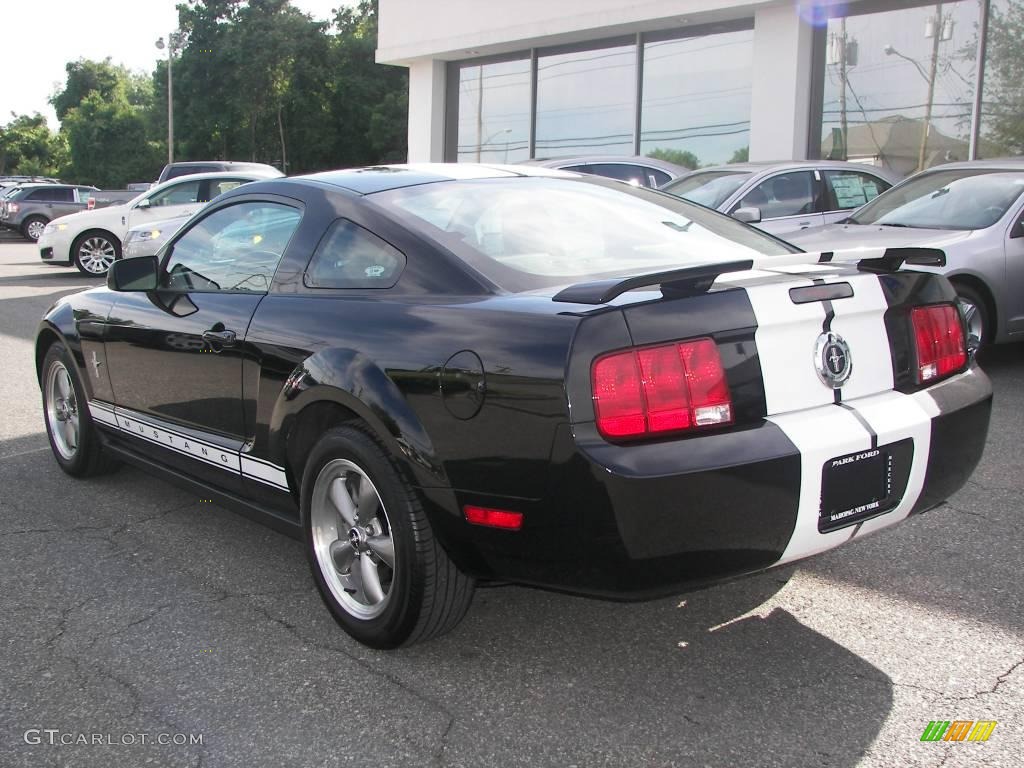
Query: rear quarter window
350, 256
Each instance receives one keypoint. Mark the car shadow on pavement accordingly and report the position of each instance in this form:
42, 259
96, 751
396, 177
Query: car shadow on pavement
145, 601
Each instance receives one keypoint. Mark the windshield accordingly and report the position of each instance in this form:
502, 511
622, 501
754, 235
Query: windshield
526, 234
711, 188
957, 199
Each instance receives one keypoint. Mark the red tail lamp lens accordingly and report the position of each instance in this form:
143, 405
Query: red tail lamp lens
655, 390
940, 342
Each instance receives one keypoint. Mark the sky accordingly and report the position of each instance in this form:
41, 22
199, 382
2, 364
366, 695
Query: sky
125, 30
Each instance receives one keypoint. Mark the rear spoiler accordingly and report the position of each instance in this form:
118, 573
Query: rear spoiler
698, 279
682, 281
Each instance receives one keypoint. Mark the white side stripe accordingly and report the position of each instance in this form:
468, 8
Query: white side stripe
135, 424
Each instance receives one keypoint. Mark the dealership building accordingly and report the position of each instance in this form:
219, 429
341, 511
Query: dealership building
702, 81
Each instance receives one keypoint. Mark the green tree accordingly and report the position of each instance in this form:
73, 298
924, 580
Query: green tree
679, 157
29, 148
109, 142
741, 155
1003, 116
85, 77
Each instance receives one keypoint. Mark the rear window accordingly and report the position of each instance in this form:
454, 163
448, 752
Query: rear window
532, 233
711, 188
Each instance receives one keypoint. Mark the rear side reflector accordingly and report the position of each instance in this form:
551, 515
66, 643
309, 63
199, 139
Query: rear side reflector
661, 389
494, 518
940, 342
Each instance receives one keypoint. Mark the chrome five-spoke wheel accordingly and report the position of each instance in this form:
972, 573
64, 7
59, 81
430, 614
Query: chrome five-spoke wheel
62, 410
352, 539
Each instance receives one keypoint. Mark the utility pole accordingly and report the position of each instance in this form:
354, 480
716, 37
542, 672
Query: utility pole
843, 126
479, 110
932, 71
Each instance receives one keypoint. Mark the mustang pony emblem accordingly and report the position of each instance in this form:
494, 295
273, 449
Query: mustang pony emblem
832, 359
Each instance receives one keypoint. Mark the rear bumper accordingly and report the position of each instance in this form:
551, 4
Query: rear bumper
646, 520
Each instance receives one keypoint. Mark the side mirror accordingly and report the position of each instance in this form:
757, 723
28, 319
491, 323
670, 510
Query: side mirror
136, 274
143, 203
747, 215
1018, 229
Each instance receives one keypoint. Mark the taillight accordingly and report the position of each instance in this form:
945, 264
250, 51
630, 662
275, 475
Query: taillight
662, 389
940, 341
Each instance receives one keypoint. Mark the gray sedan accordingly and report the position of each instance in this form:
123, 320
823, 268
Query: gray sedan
784, 198
973, 211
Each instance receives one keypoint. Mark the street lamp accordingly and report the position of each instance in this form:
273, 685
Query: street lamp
173, 41
938, 28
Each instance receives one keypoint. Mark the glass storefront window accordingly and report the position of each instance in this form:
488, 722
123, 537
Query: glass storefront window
586, 102
898, 86
1002, 106
494, 112
697, 120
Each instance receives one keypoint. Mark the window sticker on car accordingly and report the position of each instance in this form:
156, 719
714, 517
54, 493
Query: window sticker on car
852, 191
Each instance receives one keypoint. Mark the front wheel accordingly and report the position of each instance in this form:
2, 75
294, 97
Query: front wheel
376, 563
33, 227
94, 252
73, 437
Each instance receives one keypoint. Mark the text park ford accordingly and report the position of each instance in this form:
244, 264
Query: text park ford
438, 374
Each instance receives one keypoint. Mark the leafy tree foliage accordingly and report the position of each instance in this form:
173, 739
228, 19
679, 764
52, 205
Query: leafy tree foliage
741, 155
1003, 113
29, 148
679, 157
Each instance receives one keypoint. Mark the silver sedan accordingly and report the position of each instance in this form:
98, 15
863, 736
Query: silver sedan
974, 212
784, 198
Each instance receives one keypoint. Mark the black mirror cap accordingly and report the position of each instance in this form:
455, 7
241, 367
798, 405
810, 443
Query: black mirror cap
135, 274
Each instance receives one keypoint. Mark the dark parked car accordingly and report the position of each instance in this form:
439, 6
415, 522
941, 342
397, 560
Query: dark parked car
174, 170
434, 375
637, 170
30, 207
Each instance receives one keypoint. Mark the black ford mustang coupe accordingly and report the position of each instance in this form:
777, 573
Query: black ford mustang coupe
437, 374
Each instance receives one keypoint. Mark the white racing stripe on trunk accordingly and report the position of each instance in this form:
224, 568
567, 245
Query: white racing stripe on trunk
785, 338
860, 320
821, 434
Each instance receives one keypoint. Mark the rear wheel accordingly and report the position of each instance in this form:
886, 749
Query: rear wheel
33, 227
978, 316
69, 427
94, 252
375, 560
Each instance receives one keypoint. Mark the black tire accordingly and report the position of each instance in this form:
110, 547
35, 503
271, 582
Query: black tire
426, 594
32, 227
86, 247
87, 458
970, 296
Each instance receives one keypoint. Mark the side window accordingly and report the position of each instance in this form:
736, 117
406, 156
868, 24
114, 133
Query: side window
179, 194
851, 189
634, 174
53, 195
656, 178
787, 194
352, 257
217, 187
236, 248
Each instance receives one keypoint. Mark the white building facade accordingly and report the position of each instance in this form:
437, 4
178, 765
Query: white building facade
699, 81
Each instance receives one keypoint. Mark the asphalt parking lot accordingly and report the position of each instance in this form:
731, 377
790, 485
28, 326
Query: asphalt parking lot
131, 609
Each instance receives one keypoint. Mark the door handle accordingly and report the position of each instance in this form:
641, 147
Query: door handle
224, 338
